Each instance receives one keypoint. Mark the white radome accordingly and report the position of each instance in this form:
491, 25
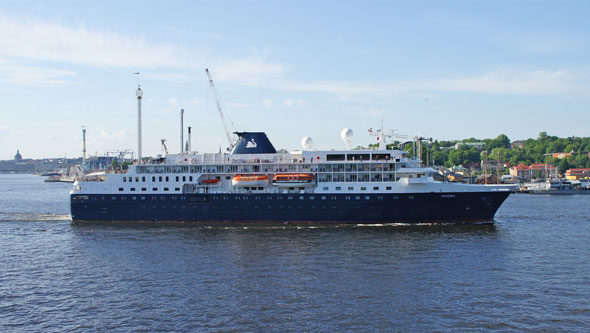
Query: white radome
306, 142
346, 134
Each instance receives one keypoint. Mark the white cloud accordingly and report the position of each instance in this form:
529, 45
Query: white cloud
508, 82
40, 40
291, 103
30, 75
267, 102
250, 71
502, 81
173, 102
35, 41
51, 138
113, 135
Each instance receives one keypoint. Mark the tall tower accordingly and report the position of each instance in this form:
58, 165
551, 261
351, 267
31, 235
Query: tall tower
181, 131
83, 146
139, 94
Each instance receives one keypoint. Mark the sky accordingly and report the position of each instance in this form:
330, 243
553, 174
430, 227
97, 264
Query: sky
441, 69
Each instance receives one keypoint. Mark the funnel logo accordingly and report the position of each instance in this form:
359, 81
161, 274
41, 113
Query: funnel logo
251, 144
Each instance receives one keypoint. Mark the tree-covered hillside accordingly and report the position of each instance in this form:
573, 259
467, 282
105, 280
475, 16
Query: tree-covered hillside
539, 150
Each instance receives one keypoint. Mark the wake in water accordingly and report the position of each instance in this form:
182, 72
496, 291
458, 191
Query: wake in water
33, 217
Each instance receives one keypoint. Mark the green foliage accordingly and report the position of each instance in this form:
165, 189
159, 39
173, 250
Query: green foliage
539, 150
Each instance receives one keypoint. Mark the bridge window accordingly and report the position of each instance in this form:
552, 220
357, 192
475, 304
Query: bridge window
335, 157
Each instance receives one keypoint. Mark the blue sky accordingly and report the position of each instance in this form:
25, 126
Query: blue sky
451, 70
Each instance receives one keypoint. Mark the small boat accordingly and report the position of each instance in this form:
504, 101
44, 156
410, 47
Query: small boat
293, 180
210, 181
249, 180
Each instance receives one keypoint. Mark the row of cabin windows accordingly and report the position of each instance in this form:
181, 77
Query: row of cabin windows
159, 179
350, 188
144, 189
323, 197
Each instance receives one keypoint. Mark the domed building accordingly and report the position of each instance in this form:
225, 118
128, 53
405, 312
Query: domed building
18, 156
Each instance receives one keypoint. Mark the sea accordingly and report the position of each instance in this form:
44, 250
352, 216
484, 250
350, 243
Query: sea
529, 271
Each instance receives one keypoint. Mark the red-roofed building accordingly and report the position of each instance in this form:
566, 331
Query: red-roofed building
582, 173
521, 171
562, 155
528, 172
546, 170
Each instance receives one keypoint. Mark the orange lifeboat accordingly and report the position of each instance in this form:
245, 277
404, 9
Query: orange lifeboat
210, 181
293, 179
249, 180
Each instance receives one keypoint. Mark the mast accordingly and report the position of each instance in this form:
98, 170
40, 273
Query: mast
139, 94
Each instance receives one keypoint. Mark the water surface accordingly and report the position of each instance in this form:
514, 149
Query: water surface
529, 271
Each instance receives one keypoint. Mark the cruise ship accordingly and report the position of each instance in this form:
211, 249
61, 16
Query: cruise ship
256, 184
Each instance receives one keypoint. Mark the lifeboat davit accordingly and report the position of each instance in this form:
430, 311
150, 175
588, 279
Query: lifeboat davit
249, 180
293, 180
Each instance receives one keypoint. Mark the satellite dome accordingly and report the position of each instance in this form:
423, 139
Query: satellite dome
346, 134
306, 142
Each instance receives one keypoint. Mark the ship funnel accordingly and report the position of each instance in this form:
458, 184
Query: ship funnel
253, 143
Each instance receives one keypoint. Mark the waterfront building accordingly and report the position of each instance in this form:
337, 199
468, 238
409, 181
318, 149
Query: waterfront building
577, 174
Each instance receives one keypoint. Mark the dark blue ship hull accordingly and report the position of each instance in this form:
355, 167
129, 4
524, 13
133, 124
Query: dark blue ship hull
464, 207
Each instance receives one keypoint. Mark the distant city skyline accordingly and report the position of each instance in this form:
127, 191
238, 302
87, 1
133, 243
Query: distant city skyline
449, 70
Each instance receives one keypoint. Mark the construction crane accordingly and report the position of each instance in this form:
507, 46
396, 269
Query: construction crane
220, 109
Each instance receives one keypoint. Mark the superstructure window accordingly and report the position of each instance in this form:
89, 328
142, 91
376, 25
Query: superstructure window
388, 188
154, 178
124, 179
165, 189
167, 178
155, 189
350, 188
335, 157
176, 178
132, 189
143, 189
338, 188
143, 179
375, 188
326, 188
363, 188
358, 157
120, 189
